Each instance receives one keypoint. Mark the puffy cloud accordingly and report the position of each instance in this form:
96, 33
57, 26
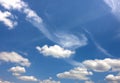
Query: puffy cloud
14, 57
5, 18
17, 70
103, 65
76, 73
49, 81
112, 79
97, 65
55, 51
28, 78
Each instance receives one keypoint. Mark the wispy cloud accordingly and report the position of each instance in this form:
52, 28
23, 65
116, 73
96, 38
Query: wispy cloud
31, 15
115, 6
71, 41
98, 46
103, 50
66, 40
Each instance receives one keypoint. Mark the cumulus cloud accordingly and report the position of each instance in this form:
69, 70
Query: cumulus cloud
112, 79
16, 71
28, 78
49, 81
76, 73
14, 57
5, 18
103, 65
55, 51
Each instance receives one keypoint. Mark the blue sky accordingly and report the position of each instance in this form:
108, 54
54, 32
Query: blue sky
59, 41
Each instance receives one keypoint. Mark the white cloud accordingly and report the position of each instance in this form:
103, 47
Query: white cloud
21, 6
49, 81
16, 4
112, 79
103, 65
5, 18
76, 73
32, 16
89, 81
14, 57
55, 51
1, 81
16, 71
115, 6
70, 40
28, 78
97, 65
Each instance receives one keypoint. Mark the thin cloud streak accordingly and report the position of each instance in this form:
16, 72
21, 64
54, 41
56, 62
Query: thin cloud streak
98, 46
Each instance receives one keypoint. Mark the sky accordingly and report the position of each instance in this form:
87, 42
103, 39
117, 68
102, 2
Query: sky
59, 41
